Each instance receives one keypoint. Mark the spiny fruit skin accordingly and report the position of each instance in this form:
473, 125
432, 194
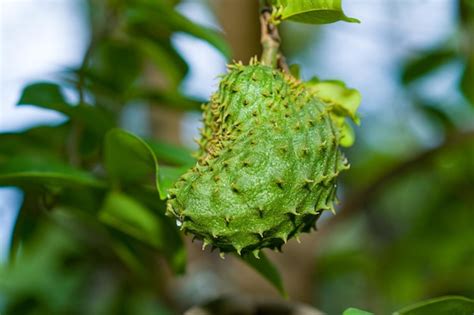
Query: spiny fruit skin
267, 163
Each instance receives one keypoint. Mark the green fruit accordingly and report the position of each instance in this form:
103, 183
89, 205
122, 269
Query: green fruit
267, 164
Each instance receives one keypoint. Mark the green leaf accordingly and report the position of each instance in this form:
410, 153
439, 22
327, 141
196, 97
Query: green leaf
90, 232
170, 99
37, 170
426, 63
356, 311
182, 24
44, 94
442, 305
27, 220
168, 176
171, 154
129, 216
39, 273
314, 11
94, 118
130, 160
158, 19
467, 82
174, 250
266, 268
40, 140
165, 58
145, 303
436, 113
347, 133
104, 65
49, 96
342, 102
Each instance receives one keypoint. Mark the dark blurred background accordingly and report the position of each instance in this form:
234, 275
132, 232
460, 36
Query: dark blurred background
404, 228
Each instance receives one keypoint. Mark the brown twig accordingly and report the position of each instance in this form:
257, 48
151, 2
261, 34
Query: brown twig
270, 38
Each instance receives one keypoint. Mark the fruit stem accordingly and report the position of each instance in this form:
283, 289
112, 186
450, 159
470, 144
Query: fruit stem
270, 39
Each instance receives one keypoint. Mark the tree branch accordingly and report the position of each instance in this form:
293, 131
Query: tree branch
359, 199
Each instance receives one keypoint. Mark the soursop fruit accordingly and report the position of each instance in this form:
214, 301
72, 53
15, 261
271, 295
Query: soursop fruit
267, 164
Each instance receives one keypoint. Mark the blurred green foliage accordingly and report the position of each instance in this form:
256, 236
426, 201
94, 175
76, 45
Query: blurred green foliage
91, 235
404, 232
442, 305
91, 228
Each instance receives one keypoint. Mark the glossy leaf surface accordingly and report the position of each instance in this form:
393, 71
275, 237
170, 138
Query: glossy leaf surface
355, 311
342, 102
443, 305
314, 11
133, 218
31, 170
44, 94
129, 159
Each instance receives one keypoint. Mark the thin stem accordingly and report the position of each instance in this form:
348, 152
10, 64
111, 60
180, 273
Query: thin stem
270, 39
271, 55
